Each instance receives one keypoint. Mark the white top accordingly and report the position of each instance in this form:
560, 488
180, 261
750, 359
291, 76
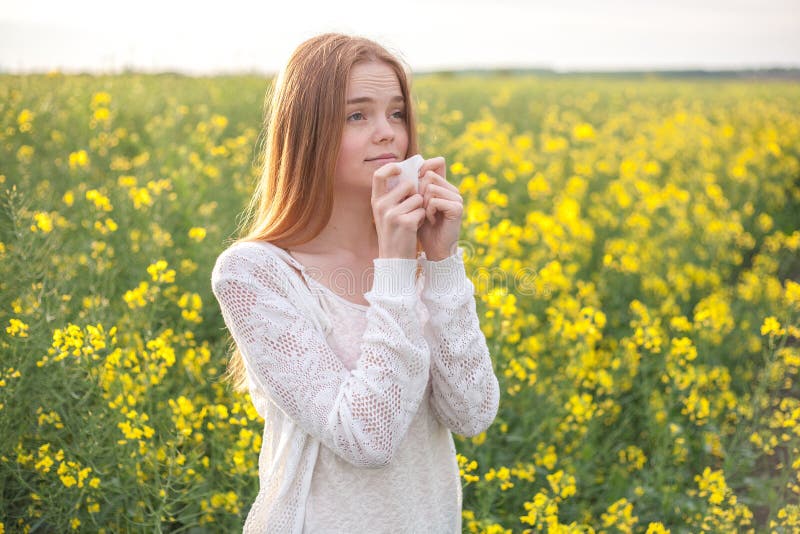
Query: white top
358, 401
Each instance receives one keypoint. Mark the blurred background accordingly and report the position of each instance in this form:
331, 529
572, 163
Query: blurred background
248, 36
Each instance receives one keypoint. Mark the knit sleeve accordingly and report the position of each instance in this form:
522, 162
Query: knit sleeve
362, 415
465, 393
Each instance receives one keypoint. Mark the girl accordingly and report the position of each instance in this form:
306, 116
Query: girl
360, 389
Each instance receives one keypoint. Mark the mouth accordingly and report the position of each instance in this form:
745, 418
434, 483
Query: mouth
383, 158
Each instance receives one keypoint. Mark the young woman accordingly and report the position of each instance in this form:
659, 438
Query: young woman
360, 384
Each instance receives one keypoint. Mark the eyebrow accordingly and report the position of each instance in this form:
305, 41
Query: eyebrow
362, 99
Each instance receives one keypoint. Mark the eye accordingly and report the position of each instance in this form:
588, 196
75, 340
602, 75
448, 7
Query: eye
400, 114
355, 116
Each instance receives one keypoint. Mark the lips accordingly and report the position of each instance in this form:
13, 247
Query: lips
383, 158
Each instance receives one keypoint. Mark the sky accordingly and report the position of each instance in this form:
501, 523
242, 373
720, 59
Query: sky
199, 37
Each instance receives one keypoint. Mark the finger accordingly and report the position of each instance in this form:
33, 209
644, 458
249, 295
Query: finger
401, 191
433, 190
451, 209
413, 218
399, 196
387, 169
420, 214
437, 165
430, 211
431, 177
409, 204
381, 176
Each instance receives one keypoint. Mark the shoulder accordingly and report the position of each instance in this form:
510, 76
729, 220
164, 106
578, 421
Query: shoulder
257, 271
242, 254
251, 261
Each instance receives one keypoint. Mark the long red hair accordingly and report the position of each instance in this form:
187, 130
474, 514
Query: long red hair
304, 117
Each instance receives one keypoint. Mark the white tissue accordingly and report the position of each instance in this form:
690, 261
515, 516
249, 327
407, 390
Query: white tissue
409, 170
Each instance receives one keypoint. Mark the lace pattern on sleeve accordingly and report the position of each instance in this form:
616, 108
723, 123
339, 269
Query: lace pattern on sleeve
465, 392
361, 414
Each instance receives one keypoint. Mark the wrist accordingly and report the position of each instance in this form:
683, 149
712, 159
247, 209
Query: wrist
386, 254
441, 254
436, 256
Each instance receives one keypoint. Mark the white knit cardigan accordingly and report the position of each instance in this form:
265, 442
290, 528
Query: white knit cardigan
309, 399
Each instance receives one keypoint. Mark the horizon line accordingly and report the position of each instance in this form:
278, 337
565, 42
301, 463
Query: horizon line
755, 69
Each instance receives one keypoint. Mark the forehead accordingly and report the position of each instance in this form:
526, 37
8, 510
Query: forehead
372, 78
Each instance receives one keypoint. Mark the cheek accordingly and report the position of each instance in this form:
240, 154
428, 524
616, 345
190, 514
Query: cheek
402, 138
348, 150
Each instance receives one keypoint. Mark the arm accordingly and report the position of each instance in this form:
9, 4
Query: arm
465, 393
361, 415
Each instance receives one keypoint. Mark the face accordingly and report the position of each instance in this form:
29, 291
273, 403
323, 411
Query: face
374, 132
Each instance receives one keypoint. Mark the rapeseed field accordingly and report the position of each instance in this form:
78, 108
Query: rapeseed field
635, 247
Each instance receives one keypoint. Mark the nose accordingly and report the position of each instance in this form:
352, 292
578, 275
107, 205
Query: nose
383, 130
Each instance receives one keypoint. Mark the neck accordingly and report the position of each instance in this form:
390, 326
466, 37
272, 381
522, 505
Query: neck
349, 231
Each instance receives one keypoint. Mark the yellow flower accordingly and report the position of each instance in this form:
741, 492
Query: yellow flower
620, 515
44, 222
24, 120
712, 485
101, 99
582, 132
792, 294
107, 226
17, 328
458, 168
191, 304
563, 485
657, 528
159, 186
633, 457
79, 159
545, 456
466, 467
136, 298
219, 121
771, 326
44, 464
187, 266
159, 272
140, 197
680, 324
101, 201
197, 233
554, 144
764, 222
581, 407
126, 181
496, 198
102, 114
25, 154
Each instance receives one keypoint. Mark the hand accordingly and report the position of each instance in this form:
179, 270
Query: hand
444, 206
398, 214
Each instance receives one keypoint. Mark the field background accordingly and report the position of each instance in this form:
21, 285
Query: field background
635, 246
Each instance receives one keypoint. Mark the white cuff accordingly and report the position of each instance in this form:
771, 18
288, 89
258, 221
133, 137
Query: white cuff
394, 277
447, 277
